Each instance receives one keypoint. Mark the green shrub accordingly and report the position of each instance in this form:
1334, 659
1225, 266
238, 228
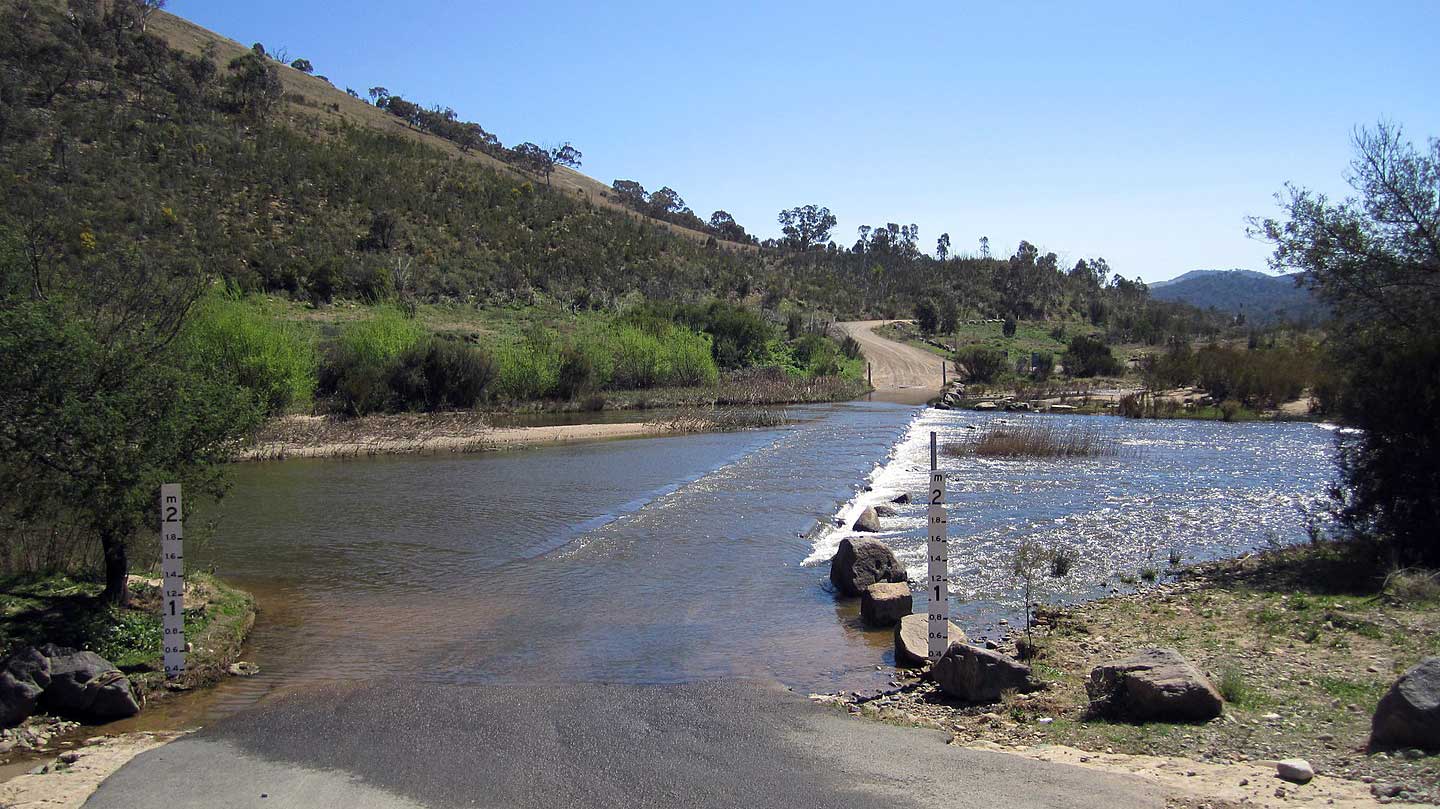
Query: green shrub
238, 340
982, 364
1089, 356
577, 375
637, 356
739, 335
526, 371
850, 347
365, 357
1233, 686
1044, 365
438, 373
1229, 409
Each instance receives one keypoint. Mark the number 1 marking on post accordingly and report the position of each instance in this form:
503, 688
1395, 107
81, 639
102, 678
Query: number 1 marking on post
939, 567
172, 572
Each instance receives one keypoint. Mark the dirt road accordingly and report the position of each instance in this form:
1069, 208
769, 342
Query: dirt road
900, 373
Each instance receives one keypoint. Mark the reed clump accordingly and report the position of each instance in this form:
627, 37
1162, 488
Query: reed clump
1037, 441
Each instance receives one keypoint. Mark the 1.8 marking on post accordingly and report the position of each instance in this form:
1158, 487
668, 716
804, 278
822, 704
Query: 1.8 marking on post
172, 571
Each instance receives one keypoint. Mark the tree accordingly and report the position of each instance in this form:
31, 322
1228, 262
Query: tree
1089, 356
253, 85
949, 314
98, 407
379, 95
1375, 259
532, 158
303, 65
725, 226
806, 226
563, 155
666, 201
927, 317
631, 193
942, 246
984, 246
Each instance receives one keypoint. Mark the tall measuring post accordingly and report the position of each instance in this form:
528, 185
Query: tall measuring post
172, 572
939, 565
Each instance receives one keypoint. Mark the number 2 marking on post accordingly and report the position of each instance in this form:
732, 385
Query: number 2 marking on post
172, 568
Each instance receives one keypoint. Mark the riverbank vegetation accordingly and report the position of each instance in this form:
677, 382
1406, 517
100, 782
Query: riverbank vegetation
1375, 259
1301, 642
1034, 439
38, 608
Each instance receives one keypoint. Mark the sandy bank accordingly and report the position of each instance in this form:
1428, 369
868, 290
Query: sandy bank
326, 437
62, 784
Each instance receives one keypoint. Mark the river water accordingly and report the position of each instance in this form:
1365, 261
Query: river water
706, 556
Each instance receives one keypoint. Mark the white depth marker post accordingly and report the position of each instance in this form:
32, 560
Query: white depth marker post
172, 569
939, 569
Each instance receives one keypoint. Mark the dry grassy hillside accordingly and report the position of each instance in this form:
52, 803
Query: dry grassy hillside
313, 96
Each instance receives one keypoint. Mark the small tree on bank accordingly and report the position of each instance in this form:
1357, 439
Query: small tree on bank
98, 408
1375, 259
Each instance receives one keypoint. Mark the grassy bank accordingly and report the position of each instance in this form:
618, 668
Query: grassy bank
1301, 642
65, 610
358, 360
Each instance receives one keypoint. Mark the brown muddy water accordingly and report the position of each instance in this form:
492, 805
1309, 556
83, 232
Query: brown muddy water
700, 557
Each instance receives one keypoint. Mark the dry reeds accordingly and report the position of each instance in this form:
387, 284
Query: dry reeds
721, 419
1036, 441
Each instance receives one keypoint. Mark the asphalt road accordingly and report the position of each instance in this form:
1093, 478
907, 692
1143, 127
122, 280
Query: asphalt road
402, 744
900, 373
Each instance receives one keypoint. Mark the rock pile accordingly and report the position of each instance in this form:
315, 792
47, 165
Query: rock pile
80, 685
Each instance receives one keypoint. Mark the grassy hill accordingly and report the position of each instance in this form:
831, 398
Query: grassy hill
164, 148
1263, 299
315, 97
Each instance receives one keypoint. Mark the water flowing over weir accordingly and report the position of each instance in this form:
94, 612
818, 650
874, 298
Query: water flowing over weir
1203, 490
704, 556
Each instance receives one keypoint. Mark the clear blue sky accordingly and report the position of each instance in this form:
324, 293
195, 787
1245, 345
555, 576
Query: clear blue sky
1143, 132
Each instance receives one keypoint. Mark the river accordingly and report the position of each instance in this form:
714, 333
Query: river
706, 556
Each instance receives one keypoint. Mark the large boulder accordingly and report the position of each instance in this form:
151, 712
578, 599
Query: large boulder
84, 685
883, 510
23, 678
860, 563
912, 639
1409, 713
902, 499
973, 674
883, 603
868, 521
1155, 685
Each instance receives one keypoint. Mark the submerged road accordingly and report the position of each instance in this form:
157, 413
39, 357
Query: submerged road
402, 744
899, 372
727, 741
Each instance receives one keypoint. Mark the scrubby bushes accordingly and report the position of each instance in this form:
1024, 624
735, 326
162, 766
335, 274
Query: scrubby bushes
365, 357
436, 374
238, 340
1089, 356
981, 363
633, 353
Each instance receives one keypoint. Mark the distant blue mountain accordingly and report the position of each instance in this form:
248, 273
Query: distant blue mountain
1261, 297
